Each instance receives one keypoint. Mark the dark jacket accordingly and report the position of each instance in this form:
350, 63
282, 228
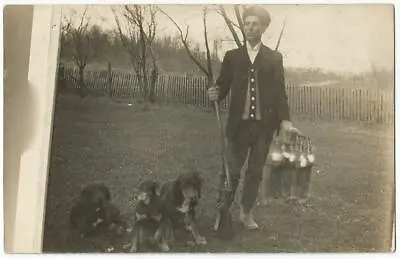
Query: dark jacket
233, 78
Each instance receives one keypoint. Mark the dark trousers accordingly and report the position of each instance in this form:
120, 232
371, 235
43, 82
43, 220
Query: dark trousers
252, 140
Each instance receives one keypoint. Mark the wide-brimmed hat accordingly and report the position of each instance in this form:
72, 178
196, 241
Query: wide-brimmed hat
256, 10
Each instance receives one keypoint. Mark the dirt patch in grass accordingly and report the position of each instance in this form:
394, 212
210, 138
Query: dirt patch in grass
120, 144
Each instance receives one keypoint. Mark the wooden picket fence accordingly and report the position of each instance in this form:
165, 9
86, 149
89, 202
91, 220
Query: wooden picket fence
365, 105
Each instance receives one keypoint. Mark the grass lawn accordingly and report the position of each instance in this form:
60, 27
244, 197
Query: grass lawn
108, 141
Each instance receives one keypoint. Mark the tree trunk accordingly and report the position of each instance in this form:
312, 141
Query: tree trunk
145, 78
154, 76
82, 85
141, 96
145, 85
210, 83
146, 89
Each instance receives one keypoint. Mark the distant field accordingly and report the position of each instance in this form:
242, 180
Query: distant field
108, 141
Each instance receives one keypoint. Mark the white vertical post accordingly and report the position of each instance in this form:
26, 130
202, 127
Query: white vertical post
32, 184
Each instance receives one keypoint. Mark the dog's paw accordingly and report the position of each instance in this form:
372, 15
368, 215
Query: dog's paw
190, 243
264, 202
157, 218
189, 228
133, 249
200, 240
112, 226
126, 246
109, 249
152, 240
164, 247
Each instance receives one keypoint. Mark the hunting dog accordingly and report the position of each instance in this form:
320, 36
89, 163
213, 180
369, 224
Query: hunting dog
150, 223
88, 211
93, 211
181, 197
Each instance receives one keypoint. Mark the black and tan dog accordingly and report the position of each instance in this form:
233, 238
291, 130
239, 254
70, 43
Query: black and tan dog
150, 223
87, 212
181, 197
94, 211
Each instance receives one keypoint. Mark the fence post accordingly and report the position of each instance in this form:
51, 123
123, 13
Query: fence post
109, 79
381, 117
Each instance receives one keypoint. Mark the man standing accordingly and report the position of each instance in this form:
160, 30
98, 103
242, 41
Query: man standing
254, 75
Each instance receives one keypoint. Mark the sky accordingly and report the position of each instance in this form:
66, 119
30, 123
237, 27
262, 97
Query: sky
338, 38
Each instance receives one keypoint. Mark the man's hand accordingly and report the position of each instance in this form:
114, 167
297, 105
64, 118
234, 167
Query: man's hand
213, 93
287, 126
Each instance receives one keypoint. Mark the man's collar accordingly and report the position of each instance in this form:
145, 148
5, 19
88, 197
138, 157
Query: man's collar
255, 48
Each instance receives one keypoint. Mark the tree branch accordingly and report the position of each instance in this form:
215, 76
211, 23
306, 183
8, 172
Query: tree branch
82, 19
229, 24
209, 67
131, 48
240, 21
185, 43
280, 35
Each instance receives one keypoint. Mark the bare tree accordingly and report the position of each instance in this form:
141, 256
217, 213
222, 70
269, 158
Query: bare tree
82, 49
234, 26
65, 28
61, 81
138, 38
207, 70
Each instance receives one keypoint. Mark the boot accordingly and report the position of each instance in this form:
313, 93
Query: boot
247, 219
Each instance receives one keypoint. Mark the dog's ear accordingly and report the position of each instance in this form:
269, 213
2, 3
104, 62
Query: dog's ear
106, 191
179, 179
199, 182
155, 188
176, 190
135, 194
178, 183
199, 178
83, 192
87, 194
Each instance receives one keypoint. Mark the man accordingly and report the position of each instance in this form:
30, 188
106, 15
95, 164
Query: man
254, 75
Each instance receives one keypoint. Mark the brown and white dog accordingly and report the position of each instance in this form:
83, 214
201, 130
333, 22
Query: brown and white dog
181, 197
150, 223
